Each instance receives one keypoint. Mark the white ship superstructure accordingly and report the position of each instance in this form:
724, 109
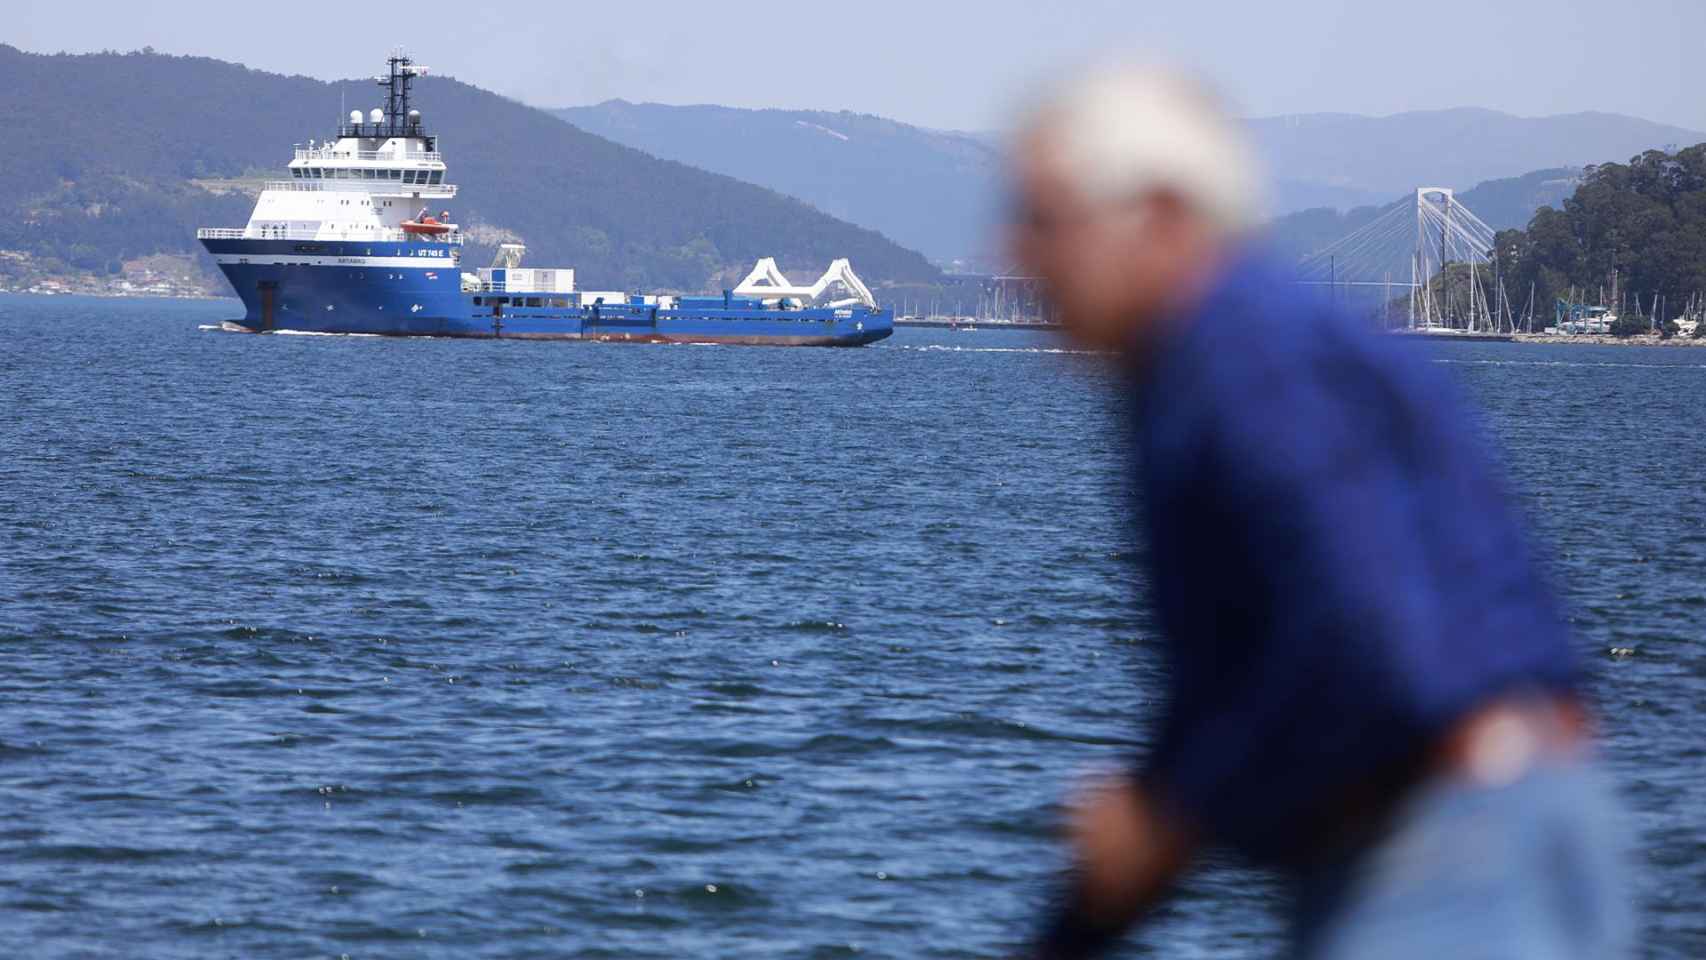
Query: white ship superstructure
379, 180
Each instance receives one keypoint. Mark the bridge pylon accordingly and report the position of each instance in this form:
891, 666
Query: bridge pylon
1418, 239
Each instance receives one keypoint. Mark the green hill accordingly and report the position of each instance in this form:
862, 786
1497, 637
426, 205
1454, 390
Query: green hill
1638, 228
116, 156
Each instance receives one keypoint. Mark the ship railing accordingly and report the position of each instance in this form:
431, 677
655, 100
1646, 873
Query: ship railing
370, 236
321, 153
383, 129
503, 286
384, 186
352, 185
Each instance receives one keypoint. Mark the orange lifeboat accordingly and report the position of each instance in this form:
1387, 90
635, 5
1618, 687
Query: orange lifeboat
427, 227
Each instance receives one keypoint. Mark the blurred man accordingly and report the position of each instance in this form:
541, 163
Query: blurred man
1370, 687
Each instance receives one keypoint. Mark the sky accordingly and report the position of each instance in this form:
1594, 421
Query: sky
949, 65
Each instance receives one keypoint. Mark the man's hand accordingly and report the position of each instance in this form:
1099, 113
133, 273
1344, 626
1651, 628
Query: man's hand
1128, 852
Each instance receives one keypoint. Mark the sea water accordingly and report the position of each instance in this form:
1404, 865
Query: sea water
326, 646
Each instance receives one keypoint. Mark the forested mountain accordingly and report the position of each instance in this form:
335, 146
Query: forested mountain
109, 156
930, 190
1638, 227
118, 156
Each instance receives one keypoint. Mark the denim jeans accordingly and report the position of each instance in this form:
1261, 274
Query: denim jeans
1531, 870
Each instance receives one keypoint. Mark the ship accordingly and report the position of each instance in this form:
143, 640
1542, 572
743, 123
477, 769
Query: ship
360, 240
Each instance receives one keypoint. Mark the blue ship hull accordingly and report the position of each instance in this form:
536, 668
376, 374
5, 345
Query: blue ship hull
415, 289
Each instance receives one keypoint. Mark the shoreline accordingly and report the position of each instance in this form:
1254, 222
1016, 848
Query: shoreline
1576, 339
1607, 340
1441, 336
971, 325
98, 295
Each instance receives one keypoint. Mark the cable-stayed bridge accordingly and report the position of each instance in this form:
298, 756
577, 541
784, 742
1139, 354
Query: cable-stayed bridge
1404, 250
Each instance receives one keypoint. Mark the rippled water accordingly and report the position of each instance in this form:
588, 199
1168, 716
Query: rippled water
315, 646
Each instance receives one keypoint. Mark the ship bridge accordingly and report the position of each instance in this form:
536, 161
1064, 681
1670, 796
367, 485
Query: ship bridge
383, 178
397, 166
390, 149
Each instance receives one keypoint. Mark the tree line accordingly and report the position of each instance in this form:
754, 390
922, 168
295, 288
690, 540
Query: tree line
1631, 238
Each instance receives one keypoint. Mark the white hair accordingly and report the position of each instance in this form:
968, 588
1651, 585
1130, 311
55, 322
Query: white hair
1125, 129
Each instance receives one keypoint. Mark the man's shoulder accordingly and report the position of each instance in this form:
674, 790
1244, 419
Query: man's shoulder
1260, 325
1255, 328
1271, 365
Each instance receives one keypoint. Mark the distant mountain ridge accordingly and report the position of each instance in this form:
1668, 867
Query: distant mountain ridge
926, 189
112, 155
940, 191
1370, 159
127, 154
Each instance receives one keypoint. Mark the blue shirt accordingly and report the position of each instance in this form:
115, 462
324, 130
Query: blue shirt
1337, 570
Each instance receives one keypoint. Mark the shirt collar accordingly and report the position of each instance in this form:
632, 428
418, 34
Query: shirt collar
1245, 272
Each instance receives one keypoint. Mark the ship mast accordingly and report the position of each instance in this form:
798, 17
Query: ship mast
399, 120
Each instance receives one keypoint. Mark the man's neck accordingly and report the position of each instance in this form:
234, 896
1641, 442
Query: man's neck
1199, 272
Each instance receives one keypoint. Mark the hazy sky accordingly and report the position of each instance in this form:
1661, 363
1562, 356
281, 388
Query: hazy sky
950, 64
